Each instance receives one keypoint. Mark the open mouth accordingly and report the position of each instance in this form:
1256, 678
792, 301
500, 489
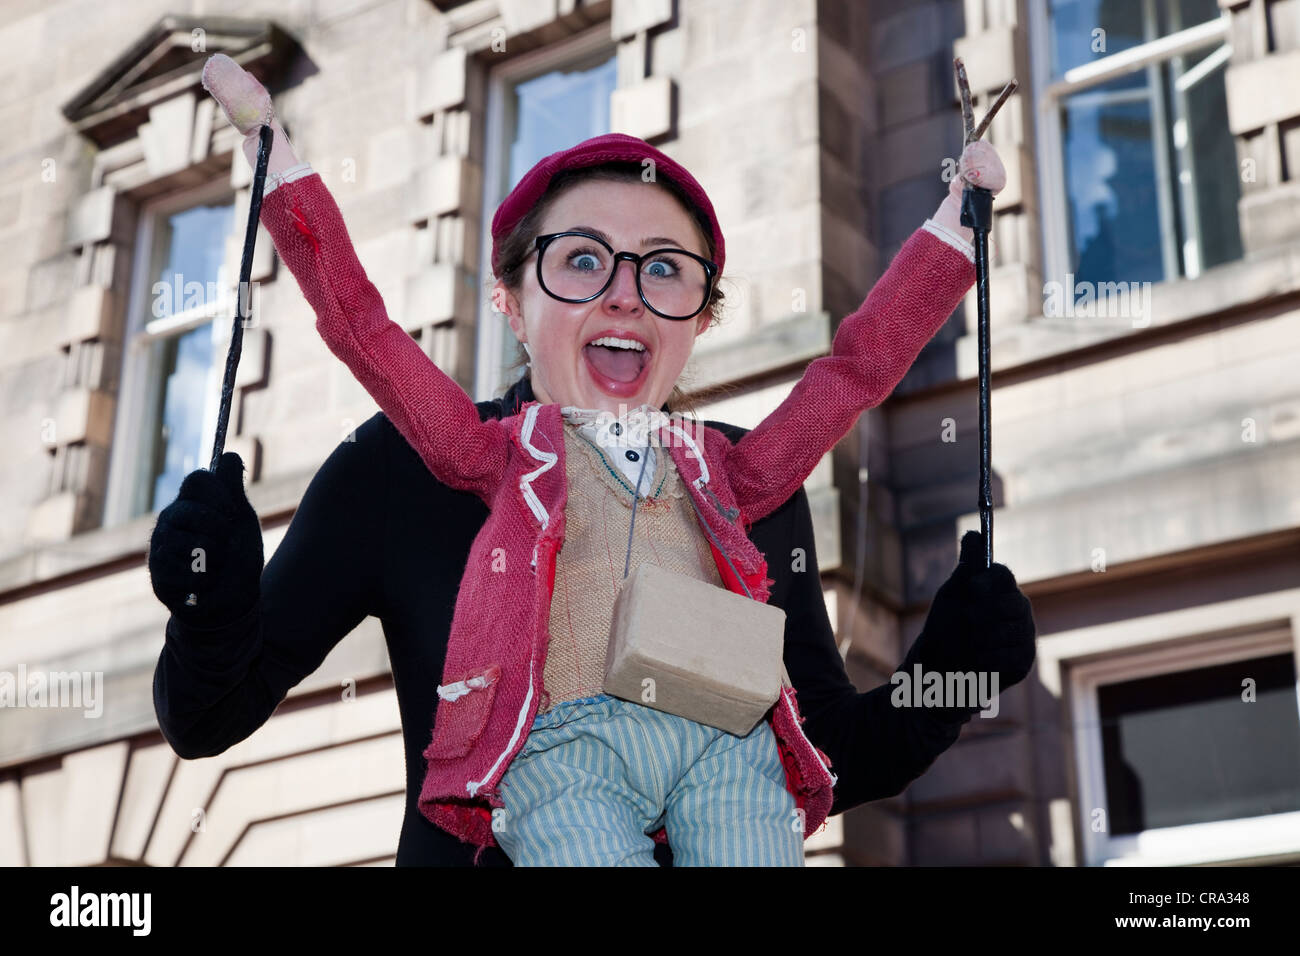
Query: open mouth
618, 365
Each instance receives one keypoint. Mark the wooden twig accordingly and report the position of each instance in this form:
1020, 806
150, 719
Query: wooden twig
997, 105
974, 132
967, 111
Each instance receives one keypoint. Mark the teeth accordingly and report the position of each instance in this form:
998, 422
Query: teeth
618, 343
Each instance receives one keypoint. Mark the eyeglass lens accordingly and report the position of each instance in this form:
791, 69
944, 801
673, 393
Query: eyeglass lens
577, 267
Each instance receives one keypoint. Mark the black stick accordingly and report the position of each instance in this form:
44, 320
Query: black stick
977, 215
245, 274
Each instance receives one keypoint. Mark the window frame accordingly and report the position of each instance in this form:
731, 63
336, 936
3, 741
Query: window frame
492, 329
1260, 839
127, 458
1049, 97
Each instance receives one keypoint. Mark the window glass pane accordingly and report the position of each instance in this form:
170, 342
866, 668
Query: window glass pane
557, 110
548, 113
1110, 171
190, 248
1187, 13
187, 368
1074, 41
1150, 163
1185, 748
1087, 30
192, 245
1211, 155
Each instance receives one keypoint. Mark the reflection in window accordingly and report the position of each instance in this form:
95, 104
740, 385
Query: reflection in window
186, 364
1111, 186
184, 378
1150, 163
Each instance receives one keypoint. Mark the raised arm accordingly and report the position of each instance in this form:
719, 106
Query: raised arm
427, 407
872, 350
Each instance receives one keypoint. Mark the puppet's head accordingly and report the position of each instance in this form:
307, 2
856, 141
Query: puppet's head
607, 258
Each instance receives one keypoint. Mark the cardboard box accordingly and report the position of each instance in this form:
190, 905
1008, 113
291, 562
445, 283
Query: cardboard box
686, 647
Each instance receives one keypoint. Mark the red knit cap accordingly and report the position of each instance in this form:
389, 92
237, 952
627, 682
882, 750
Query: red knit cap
612, 147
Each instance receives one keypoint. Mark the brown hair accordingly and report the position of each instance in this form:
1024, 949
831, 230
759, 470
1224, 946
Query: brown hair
516, 247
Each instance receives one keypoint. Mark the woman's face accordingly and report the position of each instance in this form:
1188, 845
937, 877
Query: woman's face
566, 369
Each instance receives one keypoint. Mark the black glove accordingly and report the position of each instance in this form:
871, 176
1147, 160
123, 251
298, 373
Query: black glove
212, 513
979, 621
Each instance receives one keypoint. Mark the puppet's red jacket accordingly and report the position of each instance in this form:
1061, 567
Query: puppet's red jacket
491, 683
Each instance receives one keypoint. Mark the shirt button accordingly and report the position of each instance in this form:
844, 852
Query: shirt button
633, 456
616, 428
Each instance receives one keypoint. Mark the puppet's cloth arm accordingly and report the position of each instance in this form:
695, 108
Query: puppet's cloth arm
871, 352
429, 409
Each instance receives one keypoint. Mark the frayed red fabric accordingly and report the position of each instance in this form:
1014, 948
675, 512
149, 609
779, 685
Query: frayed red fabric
464, 718
300, 223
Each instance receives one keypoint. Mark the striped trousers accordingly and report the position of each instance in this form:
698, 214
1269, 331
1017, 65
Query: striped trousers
597, 775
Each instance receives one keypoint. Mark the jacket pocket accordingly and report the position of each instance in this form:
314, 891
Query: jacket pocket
464, 706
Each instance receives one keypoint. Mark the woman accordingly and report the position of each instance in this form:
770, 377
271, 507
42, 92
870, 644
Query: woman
595, 348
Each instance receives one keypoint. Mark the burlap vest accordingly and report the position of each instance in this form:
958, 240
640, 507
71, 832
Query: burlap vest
589, 568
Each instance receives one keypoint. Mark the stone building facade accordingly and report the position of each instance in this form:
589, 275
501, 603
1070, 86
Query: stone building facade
1146, 448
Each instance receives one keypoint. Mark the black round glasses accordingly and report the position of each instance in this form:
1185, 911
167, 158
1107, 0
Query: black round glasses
578, 267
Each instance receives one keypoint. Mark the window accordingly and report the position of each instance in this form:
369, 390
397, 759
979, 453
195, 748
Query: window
537, 104
1183, 767
1134, 136
175, 350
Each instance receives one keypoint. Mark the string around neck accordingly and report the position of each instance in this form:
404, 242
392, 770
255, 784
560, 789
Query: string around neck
636, 497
